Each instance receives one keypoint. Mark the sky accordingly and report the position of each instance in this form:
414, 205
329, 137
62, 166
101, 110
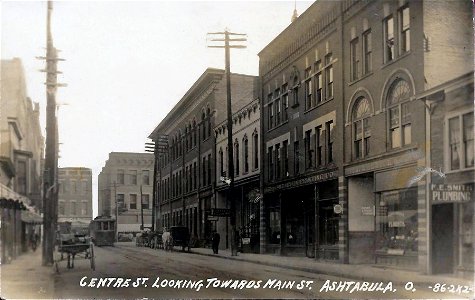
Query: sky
128, 63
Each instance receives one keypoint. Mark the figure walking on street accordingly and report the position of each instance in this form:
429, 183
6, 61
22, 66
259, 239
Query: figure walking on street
215, 242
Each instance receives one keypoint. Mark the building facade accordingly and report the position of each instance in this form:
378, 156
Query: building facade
186, 165
346, 123
246, 132
125, 190
75, 196
21, 162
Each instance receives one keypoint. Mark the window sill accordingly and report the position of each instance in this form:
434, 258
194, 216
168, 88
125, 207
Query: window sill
400, 57
361, 78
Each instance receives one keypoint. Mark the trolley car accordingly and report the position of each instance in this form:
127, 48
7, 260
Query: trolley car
102, 230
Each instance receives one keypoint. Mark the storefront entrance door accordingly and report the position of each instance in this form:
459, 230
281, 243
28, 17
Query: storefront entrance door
443, 238
310, 227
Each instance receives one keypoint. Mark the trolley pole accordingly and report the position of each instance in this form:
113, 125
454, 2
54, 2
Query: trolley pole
231, 198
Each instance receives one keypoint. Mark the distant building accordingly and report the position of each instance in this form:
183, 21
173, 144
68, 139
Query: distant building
125, 187
75, 196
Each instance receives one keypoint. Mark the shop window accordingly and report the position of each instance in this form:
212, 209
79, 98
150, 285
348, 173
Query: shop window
461, 142
274, 225
399, 113
389, 39
368, 52
361, 129
405, 31
318, 82
355, 59
396, 225
327, 222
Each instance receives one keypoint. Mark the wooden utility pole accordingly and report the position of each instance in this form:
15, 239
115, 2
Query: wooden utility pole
50, 195
227, 39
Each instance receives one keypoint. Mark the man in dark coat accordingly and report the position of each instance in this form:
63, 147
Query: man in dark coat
215, 242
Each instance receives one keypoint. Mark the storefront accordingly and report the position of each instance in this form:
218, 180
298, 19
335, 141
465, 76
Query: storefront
303, 220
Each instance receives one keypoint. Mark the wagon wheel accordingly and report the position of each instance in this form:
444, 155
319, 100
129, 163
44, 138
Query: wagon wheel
93, 262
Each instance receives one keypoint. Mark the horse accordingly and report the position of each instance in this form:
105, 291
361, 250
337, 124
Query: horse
167, 241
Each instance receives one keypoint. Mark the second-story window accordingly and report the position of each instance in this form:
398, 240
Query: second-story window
255, 147
367, 50
277, 161
145, 177
330, 139
278, 108
133, 177
271, 163
295, 90
236, 155
271, 115
355, 59
308, 150
221, 162
120, 176
203, 126
133, 201
285, 158
388, 39
399, 113
296, 158
319, 147
203, 169
209, 168
245, 145
285, 102
361, 129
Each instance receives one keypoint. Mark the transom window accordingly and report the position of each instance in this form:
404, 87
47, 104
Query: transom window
361, 128
399, 113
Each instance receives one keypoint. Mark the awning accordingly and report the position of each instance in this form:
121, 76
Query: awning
31, 217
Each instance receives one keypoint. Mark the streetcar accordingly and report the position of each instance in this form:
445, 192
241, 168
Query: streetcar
102, 230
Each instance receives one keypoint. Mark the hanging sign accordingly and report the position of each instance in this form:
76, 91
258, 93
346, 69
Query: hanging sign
451, 193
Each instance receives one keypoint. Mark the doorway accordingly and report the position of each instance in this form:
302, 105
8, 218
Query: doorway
443, 238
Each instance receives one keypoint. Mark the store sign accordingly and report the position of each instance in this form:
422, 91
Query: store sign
367, 211
451, 193
220, 212
304, 181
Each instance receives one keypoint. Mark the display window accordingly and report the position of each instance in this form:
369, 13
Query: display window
396, 223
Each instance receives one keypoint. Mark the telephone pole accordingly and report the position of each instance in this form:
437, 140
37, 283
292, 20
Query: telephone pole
50, 195
230, 37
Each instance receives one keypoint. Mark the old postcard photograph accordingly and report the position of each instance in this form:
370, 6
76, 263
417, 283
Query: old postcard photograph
237, 149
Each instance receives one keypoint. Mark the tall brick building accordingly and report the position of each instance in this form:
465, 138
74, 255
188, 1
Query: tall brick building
346, 126
186, 173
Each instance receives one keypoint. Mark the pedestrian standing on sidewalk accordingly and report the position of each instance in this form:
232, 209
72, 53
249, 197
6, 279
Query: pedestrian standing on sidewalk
215, 241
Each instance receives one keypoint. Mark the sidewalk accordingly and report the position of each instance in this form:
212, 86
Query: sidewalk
359, 272
26, 278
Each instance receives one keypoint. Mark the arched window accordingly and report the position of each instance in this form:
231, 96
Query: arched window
255, 149
399, 113
221, 162
245, 153
236, 158
361, 128
194, 133
208, 120
203, 126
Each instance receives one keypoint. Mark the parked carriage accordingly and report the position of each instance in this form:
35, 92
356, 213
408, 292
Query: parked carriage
102, 230
74, 243
177, 236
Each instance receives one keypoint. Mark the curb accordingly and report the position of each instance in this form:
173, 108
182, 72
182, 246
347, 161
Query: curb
355, 275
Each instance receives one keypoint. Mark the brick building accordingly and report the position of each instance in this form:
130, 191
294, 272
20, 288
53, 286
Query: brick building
186, 176
75, 196
125, 190
344, 125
